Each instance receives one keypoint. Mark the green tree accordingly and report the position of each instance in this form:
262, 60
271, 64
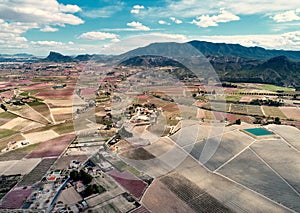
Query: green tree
238, 122
74, 175
85, 177
277, 120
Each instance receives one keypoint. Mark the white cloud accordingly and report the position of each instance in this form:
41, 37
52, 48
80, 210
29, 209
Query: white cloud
291, 15
48, 29
175, 20
104, 12
287, 41
193, 8
97, 36
69, 8
11, 34
162, 22
138, 26
136, 9
42, 12
208, 21
47, 43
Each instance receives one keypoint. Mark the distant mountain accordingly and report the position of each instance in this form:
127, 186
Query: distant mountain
227, 61
85, 57
57, 57
278, 70
20, 57
237, 50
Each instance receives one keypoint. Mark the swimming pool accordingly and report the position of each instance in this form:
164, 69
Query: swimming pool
259, 131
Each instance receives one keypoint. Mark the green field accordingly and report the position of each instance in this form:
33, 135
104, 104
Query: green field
273, 112
7, 115
274, 88
6, 132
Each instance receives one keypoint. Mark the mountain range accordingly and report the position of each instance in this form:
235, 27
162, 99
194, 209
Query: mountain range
232, 62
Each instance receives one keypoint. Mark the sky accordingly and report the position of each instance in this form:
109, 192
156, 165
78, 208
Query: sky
74, 27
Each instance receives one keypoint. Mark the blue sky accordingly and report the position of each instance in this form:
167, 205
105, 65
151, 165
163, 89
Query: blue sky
115, 26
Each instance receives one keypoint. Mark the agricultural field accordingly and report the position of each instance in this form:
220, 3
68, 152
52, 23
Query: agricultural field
52, 148
16, 167
292, 113
37, 173
51, 93
29, 113
18, 154
190, 193
246, 109
157, 192
135, 186
7, 183
288, 133
6, 133
268, 150
221, 149
6, 117
15, 198
273, 112
42, 108
274, 88
250, 171
16, 124
37, 137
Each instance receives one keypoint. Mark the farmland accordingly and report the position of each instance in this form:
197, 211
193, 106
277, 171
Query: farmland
196, 198
184, 149
250, 171
134, 185
158, 192
37, 173
273, 112
15, 198
52, 148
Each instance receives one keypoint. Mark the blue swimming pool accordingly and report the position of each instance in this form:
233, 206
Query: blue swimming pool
259, 131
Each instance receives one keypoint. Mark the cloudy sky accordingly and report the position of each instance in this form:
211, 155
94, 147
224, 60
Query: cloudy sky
114, 26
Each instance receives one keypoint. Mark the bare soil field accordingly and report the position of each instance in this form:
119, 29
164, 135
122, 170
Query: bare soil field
159, 198
247, 169
15, 167
287, 164
43, 109
69, 196
225, 191
59, 103
62, 117
27, 112
16, 124
288, 133
291, 112
37, 137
